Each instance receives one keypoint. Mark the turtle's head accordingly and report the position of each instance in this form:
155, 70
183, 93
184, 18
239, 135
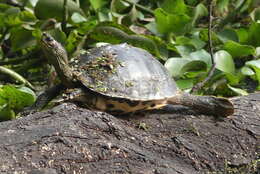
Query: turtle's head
53, 49
57, 56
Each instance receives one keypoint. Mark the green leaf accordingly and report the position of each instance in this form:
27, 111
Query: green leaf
255, 15
194, 66
96, 4
27, 95
199, 11
174, 6
222, 6
6, 114
104, 14
255, 64
194, 40
172, 23
228, 34
202, 55
46, 9
224, 62
242, 34
247, 71
254, 36
185, 50
184, 83
17, 98
27, 16
178, 66
21, 38
257, 52
238, 50
233, 79
174, 66
78, 18
118, 6
237, 90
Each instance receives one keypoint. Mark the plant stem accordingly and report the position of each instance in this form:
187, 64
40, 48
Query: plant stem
199, 85
15, 76
65, 15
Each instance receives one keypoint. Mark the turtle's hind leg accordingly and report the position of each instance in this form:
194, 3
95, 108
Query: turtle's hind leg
208, 105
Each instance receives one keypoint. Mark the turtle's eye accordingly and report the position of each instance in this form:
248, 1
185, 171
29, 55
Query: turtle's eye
47, 37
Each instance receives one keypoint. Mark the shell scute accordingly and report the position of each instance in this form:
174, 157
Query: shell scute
123, 71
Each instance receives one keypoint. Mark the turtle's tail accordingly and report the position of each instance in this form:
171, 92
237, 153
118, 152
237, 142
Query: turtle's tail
209, 105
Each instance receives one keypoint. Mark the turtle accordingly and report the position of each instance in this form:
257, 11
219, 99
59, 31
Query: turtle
121, 79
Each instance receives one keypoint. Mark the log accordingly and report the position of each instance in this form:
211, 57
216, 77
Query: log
70, 139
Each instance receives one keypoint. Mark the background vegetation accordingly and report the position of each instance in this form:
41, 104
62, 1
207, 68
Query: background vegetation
174, 31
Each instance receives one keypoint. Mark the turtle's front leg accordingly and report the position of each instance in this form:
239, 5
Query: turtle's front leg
43, 99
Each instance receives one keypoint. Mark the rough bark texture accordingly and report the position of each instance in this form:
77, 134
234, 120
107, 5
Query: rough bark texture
69, 139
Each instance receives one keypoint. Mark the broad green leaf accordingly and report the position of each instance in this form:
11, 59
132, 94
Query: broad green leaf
197, 42
228, 34
174, 66
203, 56
151, 26
11, 17
21, 38
238, 50
179, 66
132, 17
174, 6
184, 83
222, 6
193, 40
46, 9
257, 50
254, 36
78, 18
255, 64
72, 41
185, 50
255, 15
85, 27
247, 71
6, 114
104, 14
224, 62
118, 6
194, 66
27, 95
27, 16
17, 98
242, 34
237, 90
203, 35
96, 4
199, 11
233, 79
172, 23
33, 2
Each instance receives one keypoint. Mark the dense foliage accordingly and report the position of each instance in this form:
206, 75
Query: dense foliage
174, 31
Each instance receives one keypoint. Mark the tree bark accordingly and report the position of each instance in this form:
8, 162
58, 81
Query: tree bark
69, 139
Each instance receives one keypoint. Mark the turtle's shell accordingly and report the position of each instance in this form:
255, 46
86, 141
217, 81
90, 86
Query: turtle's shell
124, 71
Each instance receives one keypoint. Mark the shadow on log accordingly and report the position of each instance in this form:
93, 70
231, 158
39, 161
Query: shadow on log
69, 139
